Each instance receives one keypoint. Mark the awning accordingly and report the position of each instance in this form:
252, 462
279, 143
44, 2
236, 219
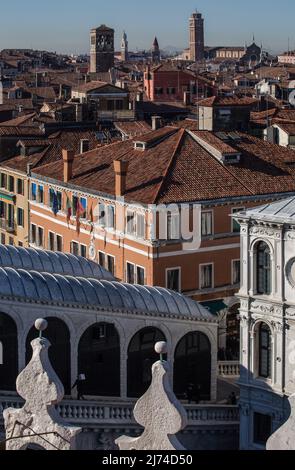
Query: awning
214, 306
7, 197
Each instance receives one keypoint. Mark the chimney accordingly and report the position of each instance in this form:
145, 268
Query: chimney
139, 96
156, 123
121, 169
84, 145
68, 160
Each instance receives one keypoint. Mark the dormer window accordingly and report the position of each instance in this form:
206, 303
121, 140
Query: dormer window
139, 145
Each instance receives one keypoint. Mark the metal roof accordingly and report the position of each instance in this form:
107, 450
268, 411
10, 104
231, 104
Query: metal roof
51, 262
282, 211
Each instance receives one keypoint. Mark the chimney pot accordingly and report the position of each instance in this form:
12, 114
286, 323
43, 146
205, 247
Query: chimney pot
156, 123
68, 160
121, 169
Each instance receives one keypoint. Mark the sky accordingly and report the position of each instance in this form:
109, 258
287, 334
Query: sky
63, 25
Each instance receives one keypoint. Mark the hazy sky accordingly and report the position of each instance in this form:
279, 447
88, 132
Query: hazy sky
63, 25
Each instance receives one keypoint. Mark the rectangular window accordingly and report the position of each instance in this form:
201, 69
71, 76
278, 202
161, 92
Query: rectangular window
52, 194
3, 180
75, 248
130, 223
102, 259
74, 205
102, 214
33, 234
3, 238
83, 202
206, 276
51, 240
173, 279
140, 275
111, 265
40, 237
83, 251
20, 186
173, 226
59, 243
11, 241
111, 216
40, 194
262, 428
10, 217
33, 192
140, 226
171, 91
130, 277
207, 224
20, 217
235, 225
11, 184
236, 272
158, 91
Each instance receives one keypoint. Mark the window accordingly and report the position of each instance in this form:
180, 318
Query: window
111, 216
33, 192
158, 91
130, 223
40, 196
3, 238
207, 224
3, 180
51, 241
263, 273
20, 244
33, 234
262, 428
130, 277
236, 272
111, 264
83, 251
75, 248
83, 202
102, 214
173, 279
236, 228
55, 242
102, 259
59, 243
20, 217
140, 275
140, 226
20, 186
171, 91
11, 184
264, 351
40, 237
52, 194
173, 226
206, 276
11, 242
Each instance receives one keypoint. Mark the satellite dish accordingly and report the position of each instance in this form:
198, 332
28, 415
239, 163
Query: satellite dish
92, 252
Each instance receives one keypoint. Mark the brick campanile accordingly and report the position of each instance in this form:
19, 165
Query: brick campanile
101, 49
197, 43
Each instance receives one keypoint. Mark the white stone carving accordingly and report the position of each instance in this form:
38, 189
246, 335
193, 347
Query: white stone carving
38, 423
159, 412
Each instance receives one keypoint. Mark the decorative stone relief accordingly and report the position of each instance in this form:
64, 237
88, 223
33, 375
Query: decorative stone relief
266, 308
159, 412
265, 231
290, 272
38, 422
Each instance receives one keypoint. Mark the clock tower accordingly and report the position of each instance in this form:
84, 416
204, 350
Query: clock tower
101, 49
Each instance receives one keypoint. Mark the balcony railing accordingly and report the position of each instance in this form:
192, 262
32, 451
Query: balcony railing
229, 368
93, 413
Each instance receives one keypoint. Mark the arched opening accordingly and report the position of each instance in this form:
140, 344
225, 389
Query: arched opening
99, 360
263, 269
192, 368
141, 357
233, 334
265, 351
58, 334
9, 349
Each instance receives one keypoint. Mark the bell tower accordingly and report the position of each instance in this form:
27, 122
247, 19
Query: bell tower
124, 48
101, 49
197, 41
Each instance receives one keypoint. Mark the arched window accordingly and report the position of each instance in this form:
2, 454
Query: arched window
99, 361
8, 353
263, 262
141, 357
59, 353
192, 368
264, 351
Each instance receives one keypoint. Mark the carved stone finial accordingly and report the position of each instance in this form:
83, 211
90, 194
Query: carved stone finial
38, 422
159, 412
284, 437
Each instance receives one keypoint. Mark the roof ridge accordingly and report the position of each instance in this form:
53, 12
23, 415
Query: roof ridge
182, 132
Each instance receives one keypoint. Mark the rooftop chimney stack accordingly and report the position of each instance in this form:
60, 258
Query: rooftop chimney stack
84, 145
156, 123
68, 160
121, 169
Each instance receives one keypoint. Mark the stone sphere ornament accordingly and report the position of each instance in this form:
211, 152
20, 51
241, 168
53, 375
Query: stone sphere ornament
41, 324
161, 347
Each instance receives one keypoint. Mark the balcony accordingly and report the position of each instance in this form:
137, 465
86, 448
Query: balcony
228, 369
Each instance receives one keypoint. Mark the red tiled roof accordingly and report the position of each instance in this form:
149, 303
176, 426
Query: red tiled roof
227, 101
